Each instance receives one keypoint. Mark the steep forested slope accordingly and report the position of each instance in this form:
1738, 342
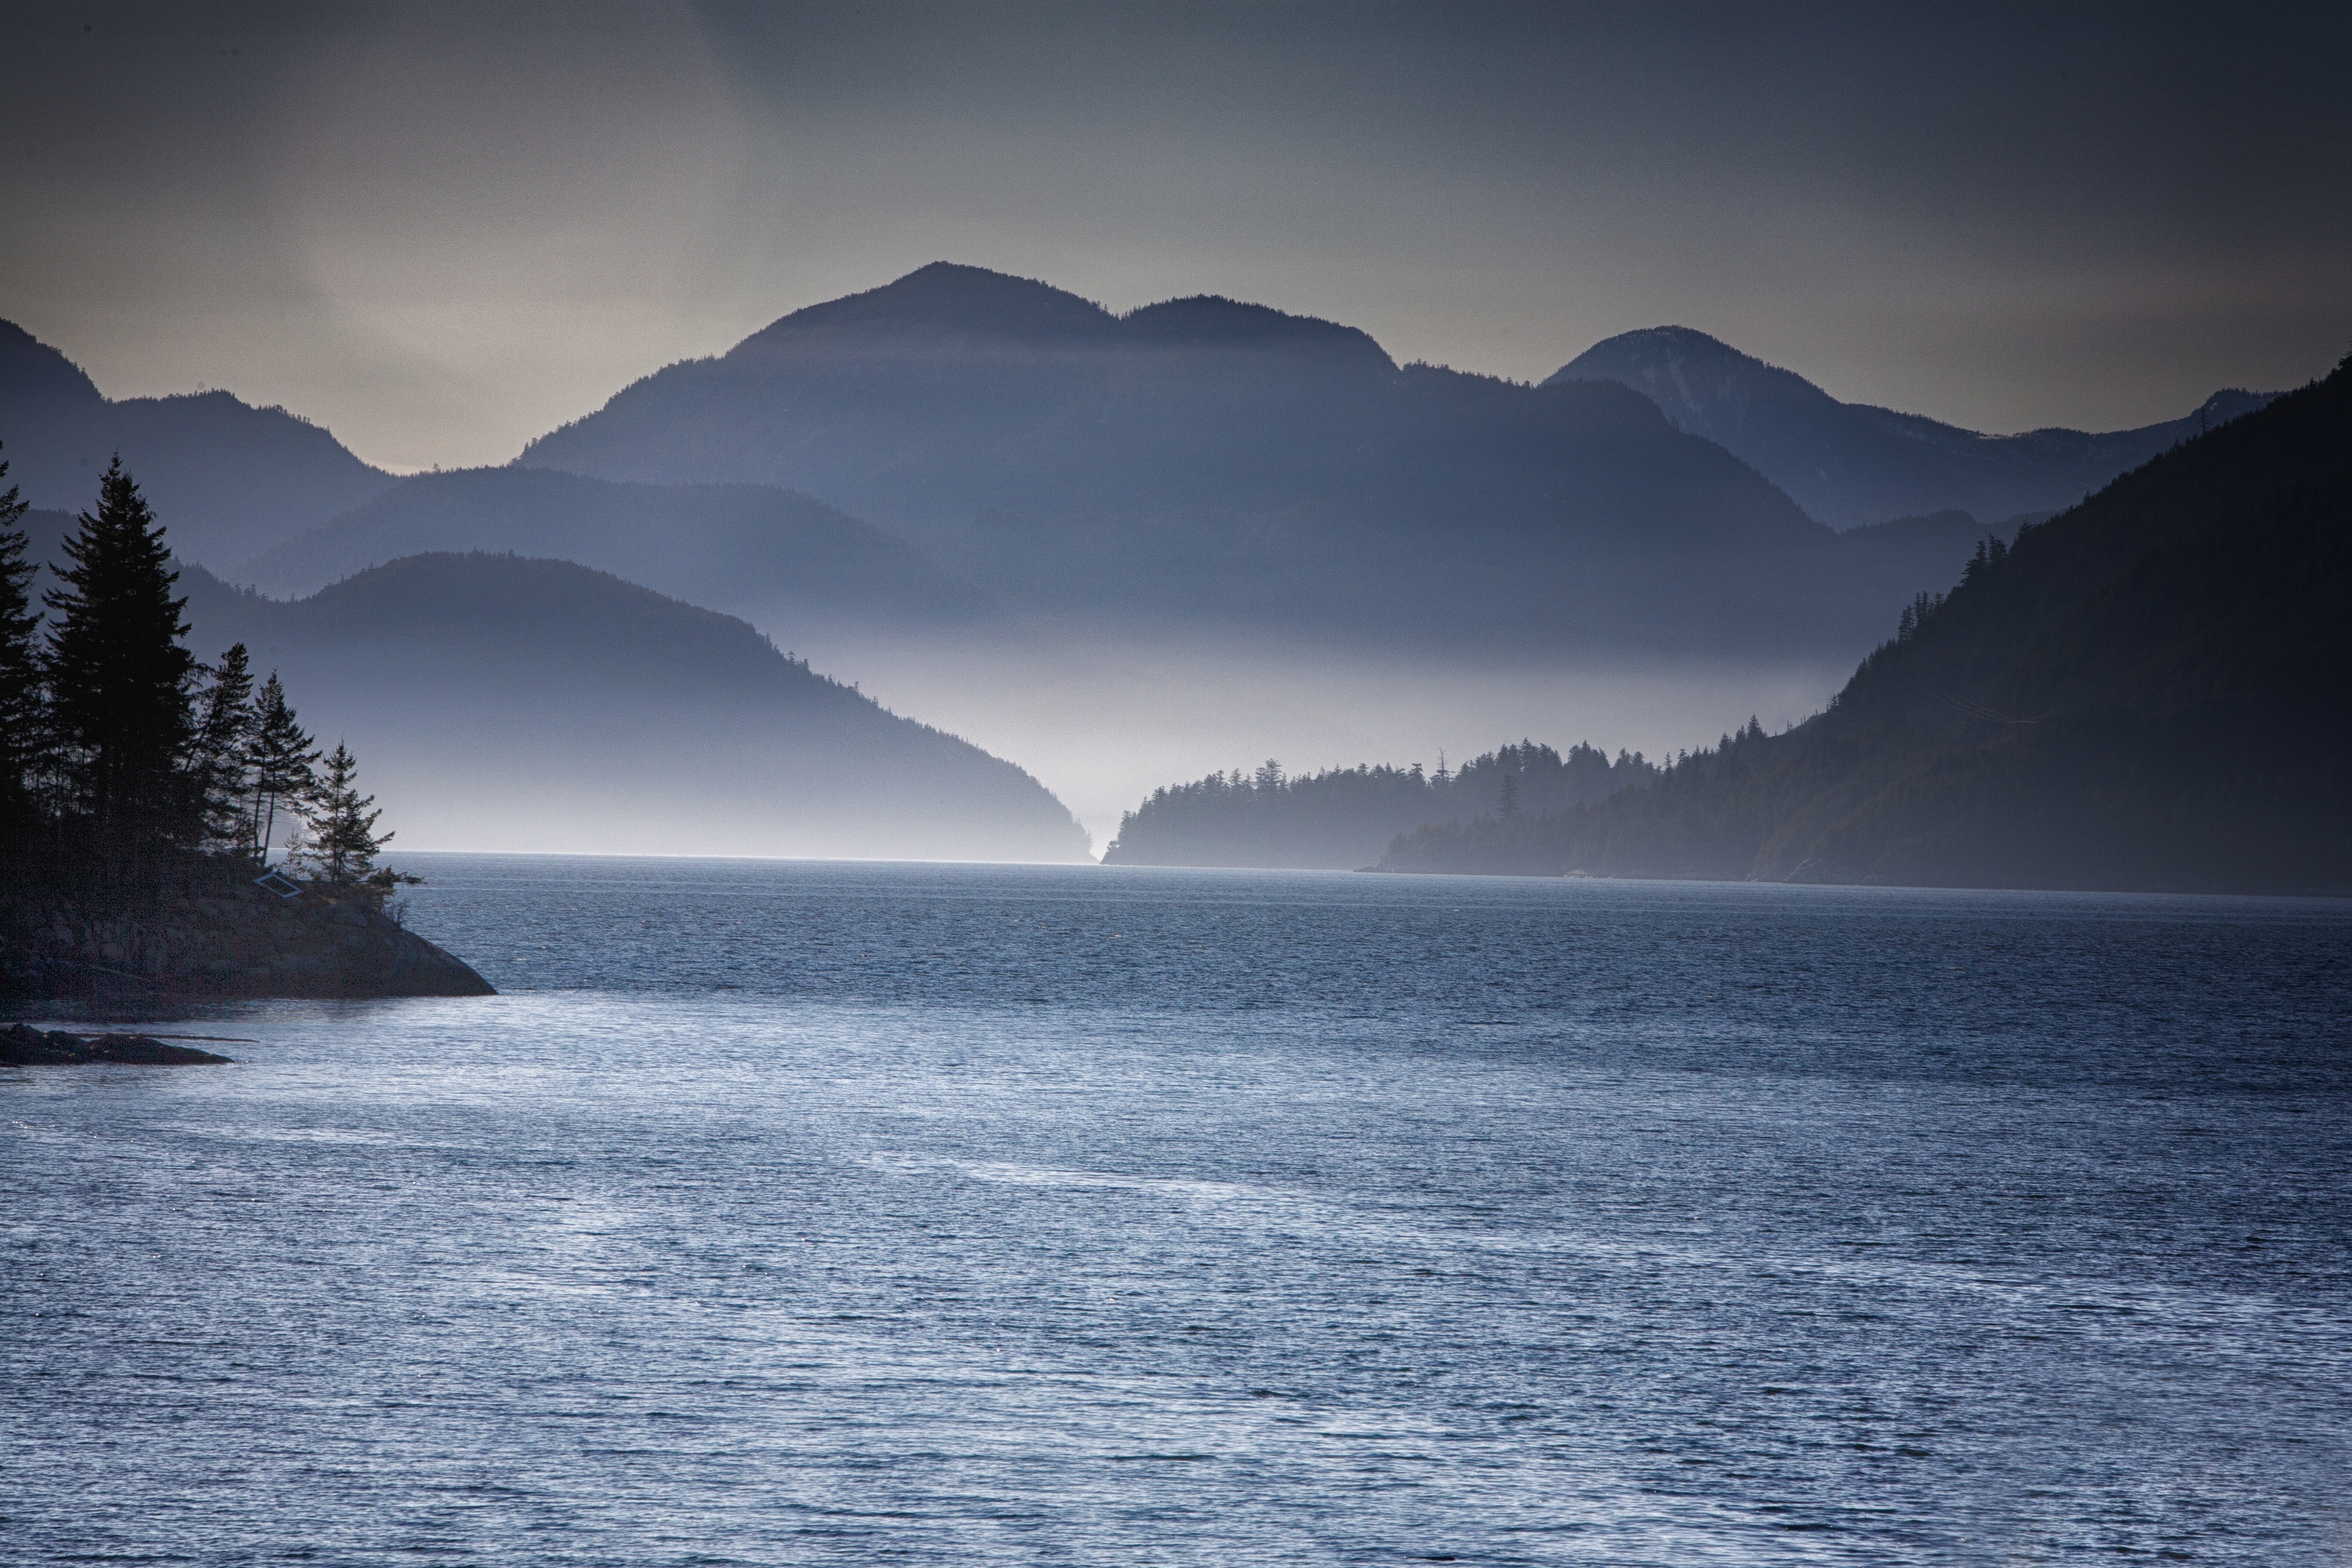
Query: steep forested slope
2148, 691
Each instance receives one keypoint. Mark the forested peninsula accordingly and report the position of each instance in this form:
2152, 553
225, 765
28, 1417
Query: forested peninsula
1341, 818
2145, 692
142, 794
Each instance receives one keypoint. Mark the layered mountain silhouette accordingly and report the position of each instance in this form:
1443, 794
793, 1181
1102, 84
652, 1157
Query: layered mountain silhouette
1199, 461
777, 556
534, 704
1207, 461
2145, 692
233, 479
1213, 490
1849, 463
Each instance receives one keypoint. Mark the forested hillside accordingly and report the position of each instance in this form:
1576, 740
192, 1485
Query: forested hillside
2145, 692
1340, 819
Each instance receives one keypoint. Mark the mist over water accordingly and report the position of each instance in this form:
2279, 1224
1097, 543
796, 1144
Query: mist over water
1103, 720
834, 1213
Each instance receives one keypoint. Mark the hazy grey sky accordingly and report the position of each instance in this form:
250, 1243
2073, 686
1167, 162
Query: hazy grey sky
442, 230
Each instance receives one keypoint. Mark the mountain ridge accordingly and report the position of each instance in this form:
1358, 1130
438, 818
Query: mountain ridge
1204, 461
232, 478
1851, 464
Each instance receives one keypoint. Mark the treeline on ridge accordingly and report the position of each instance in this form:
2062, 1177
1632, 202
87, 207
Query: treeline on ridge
1340, 819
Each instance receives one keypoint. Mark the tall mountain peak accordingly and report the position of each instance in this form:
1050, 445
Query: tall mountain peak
949, 297
1702, 382
1685, 341
1213, 321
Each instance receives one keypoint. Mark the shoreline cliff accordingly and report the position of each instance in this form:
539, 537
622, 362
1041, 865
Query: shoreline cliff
235, 941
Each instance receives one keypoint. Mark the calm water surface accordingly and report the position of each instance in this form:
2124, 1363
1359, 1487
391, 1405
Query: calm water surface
795, 1212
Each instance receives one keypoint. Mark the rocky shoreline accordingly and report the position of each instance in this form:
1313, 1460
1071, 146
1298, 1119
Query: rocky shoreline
237, 941
22, 1046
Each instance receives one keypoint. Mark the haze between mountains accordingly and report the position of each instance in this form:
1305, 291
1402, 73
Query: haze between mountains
1123, 550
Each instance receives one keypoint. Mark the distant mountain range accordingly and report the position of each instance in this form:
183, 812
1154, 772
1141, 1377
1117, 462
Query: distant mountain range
1849, 463
2147, 692
230, 479
959, 443
1212, 462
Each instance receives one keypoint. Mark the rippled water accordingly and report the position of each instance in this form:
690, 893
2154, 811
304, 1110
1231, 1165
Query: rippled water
786, 1214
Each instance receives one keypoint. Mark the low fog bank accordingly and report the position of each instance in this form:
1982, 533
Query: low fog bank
499, 702
1100, 724
469, 798
1102, 721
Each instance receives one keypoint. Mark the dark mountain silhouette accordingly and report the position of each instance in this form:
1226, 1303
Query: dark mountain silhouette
1204, 460
1340, 819
749, 550
2145, 692
496, 700
233, 479
1849, 463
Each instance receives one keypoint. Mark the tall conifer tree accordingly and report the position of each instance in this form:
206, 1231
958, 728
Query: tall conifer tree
118, 679
222, 764
20, 674
343, 842
279, 757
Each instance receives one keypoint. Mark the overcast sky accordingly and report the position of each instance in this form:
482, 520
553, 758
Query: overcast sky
441, 231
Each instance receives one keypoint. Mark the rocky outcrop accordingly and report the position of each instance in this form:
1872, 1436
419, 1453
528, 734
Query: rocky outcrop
22, 1046
231, 941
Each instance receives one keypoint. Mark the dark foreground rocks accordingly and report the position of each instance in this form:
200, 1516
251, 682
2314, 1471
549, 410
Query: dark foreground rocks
22, 1046
233, 940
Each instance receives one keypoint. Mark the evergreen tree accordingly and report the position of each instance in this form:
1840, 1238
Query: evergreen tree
344, 841
222, 760
279, 762
20, 673
117, 680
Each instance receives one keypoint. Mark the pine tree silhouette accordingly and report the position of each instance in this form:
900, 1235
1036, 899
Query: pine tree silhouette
21, 715
279, 758
344, 841
224, 746
118, 679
